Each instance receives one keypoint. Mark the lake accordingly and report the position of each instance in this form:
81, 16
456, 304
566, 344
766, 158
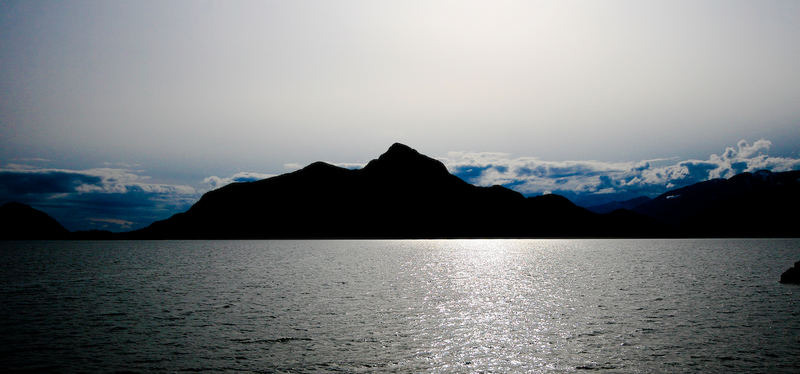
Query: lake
618, 306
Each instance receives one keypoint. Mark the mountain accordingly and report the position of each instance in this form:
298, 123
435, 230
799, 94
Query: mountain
402, 194
749, 204
20, 221
615, 205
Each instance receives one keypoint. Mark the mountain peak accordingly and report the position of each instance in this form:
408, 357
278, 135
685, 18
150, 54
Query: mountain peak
402, 158
400, 148
402, 152
320, 166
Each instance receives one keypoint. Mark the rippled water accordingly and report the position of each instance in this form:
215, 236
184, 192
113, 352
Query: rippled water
400, 306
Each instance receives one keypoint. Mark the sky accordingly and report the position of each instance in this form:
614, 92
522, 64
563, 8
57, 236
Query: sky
115, 114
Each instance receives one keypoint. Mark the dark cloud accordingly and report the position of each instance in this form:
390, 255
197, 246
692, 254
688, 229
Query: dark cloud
22, 183
538, 171
696, 171
112, 199
468, 173
606, 182
97, 210
739, 167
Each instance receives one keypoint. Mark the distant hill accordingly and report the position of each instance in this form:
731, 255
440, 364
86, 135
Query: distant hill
402, 194
20, 221
748, 204
615, 205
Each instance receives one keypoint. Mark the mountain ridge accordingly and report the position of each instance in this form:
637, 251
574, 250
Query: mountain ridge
748, 204
628, 204
405, 194
401, 194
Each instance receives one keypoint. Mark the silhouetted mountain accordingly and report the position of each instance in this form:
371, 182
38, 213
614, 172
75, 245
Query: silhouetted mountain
748, 204
615, 205
402, 194
20, 221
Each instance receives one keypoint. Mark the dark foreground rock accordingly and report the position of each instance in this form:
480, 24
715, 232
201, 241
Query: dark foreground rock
792, 275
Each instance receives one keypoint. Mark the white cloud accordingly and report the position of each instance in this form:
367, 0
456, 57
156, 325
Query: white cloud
349, 165
534, 176
246, 176
292, 166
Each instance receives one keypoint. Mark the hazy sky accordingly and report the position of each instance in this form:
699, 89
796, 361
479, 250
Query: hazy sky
176, 92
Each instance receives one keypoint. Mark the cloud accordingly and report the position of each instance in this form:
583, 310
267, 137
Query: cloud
349, 165
21, 179
108, 223
125, 198
101, 198
14, 182
246, 176
588, 182
292, 166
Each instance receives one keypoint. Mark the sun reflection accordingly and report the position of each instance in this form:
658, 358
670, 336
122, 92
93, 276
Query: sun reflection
488, 299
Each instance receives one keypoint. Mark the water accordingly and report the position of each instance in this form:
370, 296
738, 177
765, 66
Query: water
621, 306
